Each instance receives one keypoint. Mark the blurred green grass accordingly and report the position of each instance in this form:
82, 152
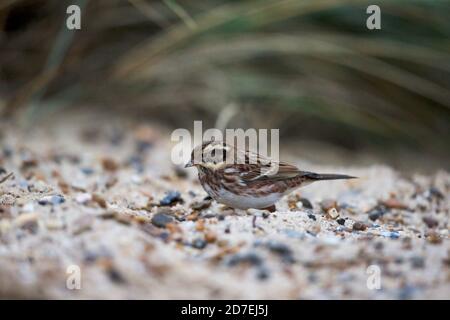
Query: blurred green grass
310, 68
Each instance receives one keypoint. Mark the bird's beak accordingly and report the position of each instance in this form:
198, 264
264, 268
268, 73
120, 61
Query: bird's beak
189, 164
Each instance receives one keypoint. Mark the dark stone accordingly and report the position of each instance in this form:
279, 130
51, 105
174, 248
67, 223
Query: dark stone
115, 276
430, 222
341, 221
281, 249
434, 192
200, 205
53, 200
87, 171
359, 226
171, 198
248, 258
312, 217
306, 203
377, 212
161, 220
263, 273
199, 243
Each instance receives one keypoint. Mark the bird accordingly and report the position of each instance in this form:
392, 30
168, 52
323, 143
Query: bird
243, 179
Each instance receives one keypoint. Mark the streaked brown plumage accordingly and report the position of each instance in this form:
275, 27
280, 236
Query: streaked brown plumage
243, 183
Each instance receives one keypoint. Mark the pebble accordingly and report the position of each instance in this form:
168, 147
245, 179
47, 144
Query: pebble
99, 200
328, 204
109, 164
332, 213
305, 203
172, 197
83, 198
433, 237
281, 249
54, 224
161, 220
87, 171
359, 226
341, 221
210, 237
393, 203
434, 192
430, 222
199, 243
390, 234
377, 212
251, 258
200, 205
52, 200
312, 217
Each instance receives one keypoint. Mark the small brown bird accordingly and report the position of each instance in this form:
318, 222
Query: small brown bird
248, 180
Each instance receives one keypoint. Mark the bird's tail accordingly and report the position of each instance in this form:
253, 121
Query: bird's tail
325, 176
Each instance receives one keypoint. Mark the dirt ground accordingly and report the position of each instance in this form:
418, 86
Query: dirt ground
103, 196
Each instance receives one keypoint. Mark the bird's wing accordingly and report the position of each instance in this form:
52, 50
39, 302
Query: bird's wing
273, 171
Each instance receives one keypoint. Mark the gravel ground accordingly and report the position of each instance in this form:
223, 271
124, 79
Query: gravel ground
102, 195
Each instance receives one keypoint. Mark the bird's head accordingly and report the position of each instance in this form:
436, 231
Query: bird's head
211, 154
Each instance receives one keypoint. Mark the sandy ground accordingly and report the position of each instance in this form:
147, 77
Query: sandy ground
101, 197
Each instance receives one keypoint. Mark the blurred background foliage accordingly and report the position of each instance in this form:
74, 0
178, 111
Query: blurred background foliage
308, 67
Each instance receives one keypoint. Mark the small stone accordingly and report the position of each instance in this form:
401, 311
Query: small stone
54, 224
281, 249
200, 205
328, 204
83, 198
430, 222
99, 200
377, 212
210, 237
434, 192
359, 226
52, 200
200, 225
199, 243
250, 258
312, 217
171, 198
393, 203
305, 203
115, 276
109, 164
433, 237
161, 220
341, 221
87, 171
263, 273
332, 213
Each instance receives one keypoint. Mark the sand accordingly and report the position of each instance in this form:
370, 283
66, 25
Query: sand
101, 197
